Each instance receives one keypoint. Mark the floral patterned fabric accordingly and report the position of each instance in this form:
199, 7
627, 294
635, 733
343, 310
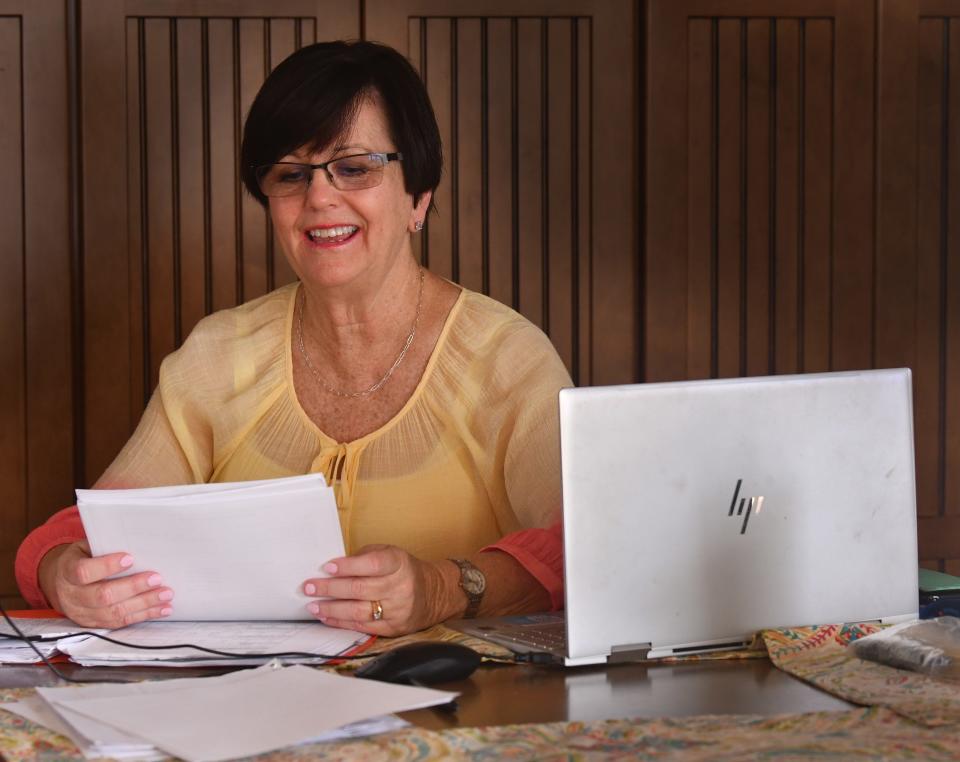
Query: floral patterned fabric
819, 655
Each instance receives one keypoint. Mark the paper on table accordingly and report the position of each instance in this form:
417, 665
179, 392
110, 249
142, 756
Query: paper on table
235, 637
229, 551
244, 713
128, 747
99, 741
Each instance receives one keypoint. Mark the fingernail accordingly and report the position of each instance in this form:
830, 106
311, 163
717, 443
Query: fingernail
310, 588
166, 612
126, 561
330, 568
154, 580
314, 608
166, 595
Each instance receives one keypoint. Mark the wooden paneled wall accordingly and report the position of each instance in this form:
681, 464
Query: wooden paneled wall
531, 210
513, 100
937, 281
763, 196
197, 241
37, 415
168, 234
671, 188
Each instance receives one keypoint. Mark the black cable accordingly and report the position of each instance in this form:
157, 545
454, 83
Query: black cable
214, 651
31, 639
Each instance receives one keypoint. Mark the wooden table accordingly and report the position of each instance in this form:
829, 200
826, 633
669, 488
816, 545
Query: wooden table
508, 694
504, 694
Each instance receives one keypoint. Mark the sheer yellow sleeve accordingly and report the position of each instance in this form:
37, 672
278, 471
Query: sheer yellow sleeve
472, 456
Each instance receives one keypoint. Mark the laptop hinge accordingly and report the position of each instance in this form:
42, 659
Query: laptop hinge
627, 653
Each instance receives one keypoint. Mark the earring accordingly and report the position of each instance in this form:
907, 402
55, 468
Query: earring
418, 225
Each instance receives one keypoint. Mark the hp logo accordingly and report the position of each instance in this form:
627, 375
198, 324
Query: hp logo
753, 505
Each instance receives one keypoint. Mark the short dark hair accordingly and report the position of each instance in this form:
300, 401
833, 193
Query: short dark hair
311, 99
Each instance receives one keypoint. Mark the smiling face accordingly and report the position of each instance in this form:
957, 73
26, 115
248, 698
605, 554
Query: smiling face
333, 237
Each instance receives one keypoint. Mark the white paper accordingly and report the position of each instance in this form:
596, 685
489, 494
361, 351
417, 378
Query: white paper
26, 655
43, 628
16, 651
181, 490
111, 742
229, 551
128, 747
235, 637
243, 713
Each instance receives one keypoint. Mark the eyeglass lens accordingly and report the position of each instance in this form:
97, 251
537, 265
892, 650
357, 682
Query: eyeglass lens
348, 173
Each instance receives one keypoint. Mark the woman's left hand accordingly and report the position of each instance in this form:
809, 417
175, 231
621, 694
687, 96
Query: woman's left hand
407, 593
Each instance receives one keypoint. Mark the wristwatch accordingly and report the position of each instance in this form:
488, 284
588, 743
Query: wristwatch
473, 583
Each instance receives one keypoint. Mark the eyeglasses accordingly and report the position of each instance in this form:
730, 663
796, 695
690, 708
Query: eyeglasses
288, 178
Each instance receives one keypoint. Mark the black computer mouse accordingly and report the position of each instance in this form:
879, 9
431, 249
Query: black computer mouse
422, 663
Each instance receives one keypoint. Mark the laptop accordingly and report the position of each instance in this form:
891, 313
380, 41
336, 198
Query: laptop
697, 513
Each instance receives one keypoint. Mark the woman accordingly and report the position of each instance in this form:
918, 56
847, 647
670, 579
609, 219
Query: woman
430, 409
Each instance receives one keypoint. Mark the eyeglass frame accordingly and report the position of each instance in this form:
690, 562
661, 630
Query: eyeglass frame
384, 156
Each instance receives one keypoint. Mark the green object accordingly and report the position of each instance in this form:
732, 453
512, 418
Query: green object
937, 582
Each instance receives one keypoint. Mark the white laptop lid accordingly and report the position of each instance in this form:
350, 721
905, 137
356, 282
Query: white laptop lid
652, 552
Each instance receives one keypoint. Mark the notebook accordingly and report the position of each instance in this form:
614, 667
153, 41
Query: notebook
697, 513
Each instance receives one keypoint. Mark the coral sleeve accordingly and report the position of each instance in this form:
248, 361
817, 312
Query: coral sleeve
61, 528
540, 552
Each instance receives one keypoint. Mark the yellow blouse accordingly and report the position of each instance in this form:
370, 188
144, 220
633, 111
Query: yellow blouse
473, 455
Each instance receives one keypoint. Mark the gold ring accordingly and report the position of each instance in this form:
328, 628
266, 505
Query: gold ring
376, 610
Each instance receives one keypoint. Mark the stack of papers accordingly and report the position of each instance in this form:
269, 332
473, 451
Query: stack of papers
44, 633
234, 637
235, 551
216, 718
256, 642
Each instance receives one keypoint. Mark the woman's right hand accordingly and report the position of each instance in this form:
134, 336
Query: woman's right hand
76, 585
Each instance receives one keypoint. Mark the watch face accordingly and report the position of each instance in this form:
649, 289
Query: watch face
473, 581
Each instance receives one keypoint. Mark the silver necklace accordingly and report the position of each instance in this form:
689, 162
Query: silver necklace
390, 370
